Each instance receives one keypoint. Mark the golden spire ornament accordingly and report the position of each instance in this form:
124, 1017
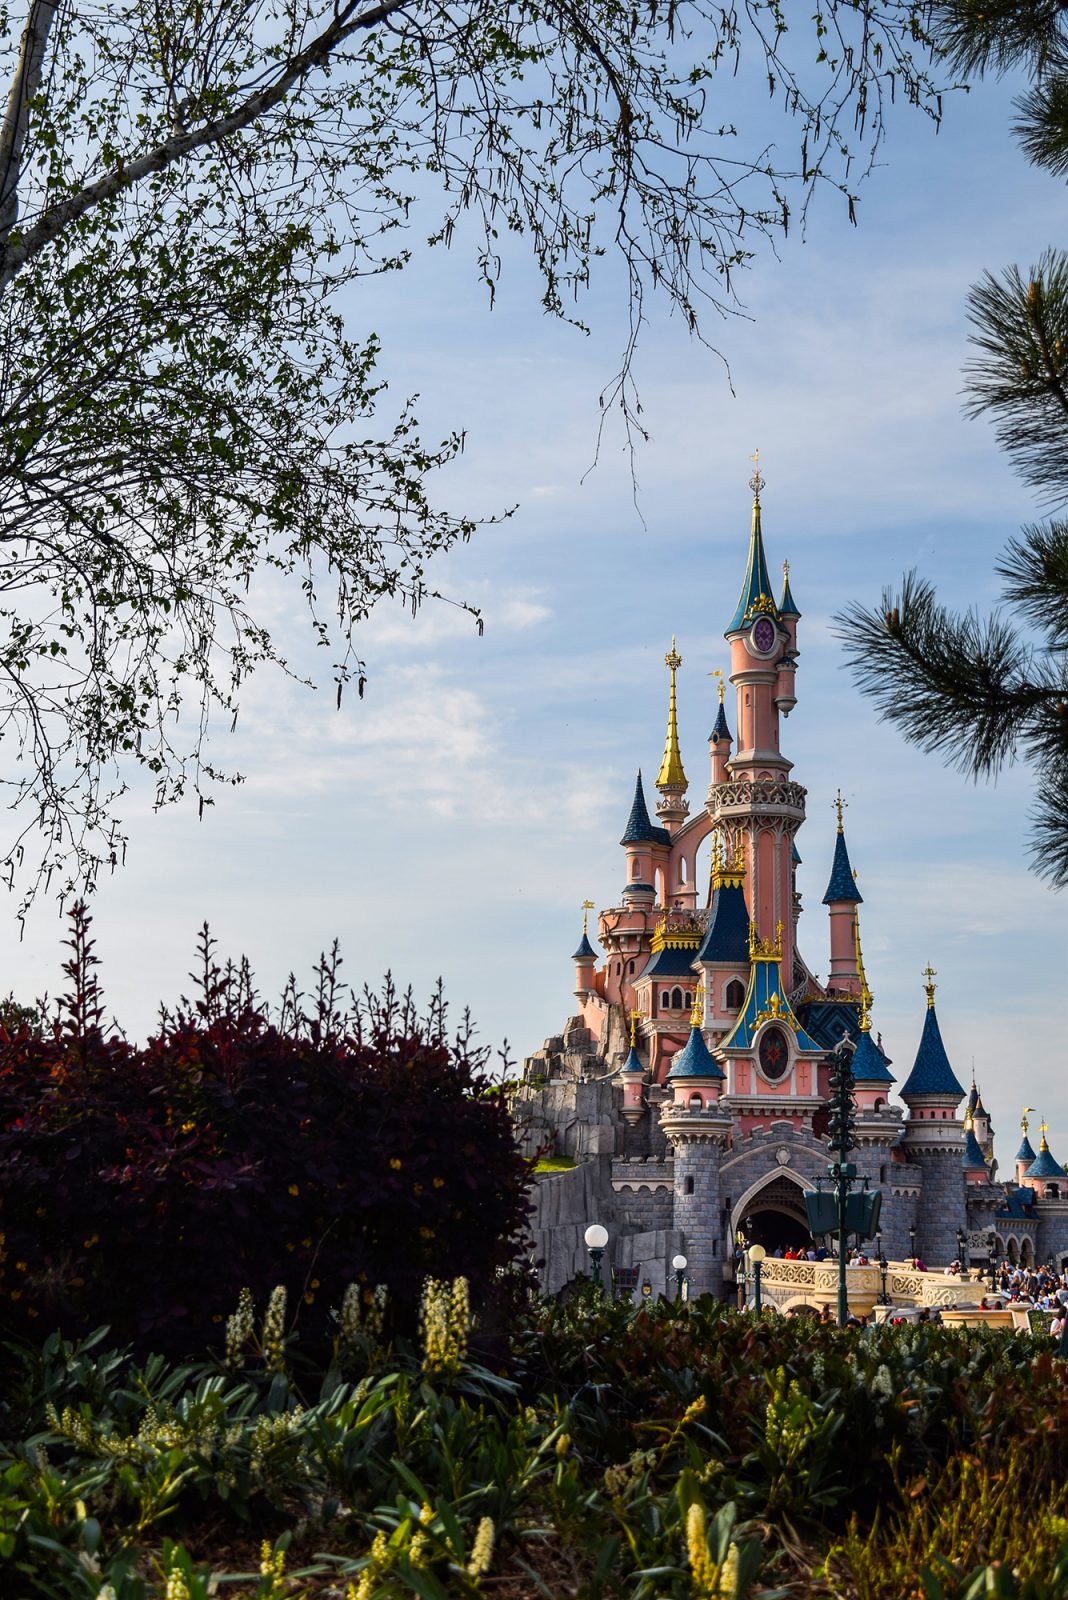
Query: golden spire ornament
697, 1015
929, 976
587, 907
717, 674
634, 1028
671, 774
839, 805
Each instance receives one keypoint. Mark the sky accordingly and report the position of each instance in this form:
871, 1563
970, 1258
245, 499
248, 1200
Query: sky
452, 822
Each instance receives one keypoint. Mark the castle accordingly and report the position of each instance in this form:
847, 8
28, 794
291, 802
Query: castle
690, 1087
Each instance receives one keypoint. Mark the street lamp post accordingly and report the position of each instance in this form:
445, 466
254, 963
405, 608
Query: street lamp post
912, 1247
961, 1244
884, 1298
756, 1257
679, 1266
992, 1246
596, 1237
843, 1173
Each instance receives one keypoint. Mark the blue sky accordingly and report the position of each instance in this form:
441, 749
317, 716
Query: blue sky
453, 821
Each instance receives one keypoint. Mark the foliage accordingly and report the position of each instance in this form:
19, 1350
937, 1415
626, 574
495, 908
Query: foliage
184, 193
343, 1142
587, 1471
985, 692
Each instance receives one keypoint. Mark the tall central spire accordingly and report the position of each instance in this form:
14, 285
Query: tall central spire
671, 774
756, 597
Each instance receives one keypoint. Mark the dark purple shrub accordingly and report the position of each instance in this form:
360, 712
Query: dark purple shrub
144, 1187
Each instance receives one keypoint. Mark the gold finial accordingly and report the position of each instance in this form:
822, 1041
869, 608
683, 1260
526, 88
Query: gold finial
697, 1015
786, 572
587, 907
839, 805
634, 1028
716, 673
671, 774
929, 976
1043, 1128
969, 1125
866, 995
765, 949
756, 482
1024, 1124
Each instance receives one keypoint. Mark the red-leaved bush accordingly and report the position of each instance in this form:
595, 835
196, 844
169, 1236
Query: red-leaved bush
344, 1141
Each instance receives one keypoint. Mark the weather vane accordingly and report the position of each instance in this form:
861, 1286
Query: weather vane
839, 805
929, 976
673, 660
634, 1028
716, 673
756, 482
587, 907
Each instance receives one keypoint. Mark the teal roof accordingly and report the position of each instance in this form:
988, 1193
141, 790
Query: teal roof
794, 856
1044, 1166
721, 730
585, 951
639, 829
787, 608
973, 1157
727, 935
633, 1063
931, 1072
842, 887
1025, 1153
755, 598
695, 1060
765, 983
869, 1063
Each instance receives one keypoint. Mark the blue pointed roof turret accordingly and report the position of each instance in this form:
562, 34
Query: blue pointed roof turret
1025, 1152
639, 829
720, 729
633, 1063
1044, 1166
787, 607
973, 1158
755, 599
585, 951
695, 1060
842, 889
869, 1063
931, 1072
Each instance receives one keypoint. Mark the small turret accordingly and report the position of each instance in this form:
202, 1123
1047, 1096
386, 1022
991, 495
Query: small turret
672, 805
632, 1075
841, 900
1025, 1155
931, 1087
719, 740
972, 1159
647, 848
695, 1072
585, 957
1044, 1170
785, 698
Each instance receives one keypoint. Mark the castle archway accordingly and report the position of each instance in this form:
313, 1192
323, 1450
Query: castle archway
772, 1212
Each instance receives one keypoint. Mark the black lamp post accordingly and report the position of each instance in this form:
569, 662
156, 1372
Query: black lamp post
884, 1298
842, 1173
992, 1246
756, 1256
679, 1264
965, 1257
912, 1246
961, 1242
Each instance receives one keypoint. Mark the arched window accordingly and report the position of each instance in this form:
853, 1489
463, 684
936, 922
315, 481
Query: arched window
665, 1000
630, 966
734, 996
696, 1102
687, 1187
878, 1104
676, 998
635, 868
682, 869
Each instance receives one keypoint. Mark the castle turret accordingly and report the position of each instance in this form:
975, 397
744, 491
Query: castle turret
972, 1160
719, 740
672, 805
841, 900
633, 1075
647, 849
760, 802
1044, 1171
585, 957
1025, 1155
785, 698
698, 1129
723, 954
934, 1136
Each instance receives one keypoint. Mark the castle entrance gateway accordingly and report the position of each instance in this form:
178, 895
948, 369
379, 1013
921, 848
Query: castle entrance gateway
772, 1213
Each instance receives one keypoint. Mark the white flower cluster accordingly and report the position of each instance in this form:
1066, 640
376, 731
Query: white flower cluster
712, 1580
239, 1329
274, 1331
444, 1323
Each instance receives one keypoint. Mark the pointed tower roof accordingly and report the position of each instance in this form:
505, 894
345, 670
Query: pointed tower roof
695, 1060
671, 774
973, 1158
633, 1063
720, 729
585, 951
766, 998
869, 1064
727, 934
795, 855
787, 608
755, 597
931, 1072
842, 888
1044, 1166
1025, 1152
639, 829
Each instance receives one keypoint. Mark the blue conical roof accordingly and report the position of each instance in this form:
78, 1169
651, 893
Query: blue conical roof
868, 1063
727, 935
973, 1157
1044, 1165
695, 1060
639, 829
787, 608
585, 951
632, 1063
1025, 1153
755, 598
931, 1072
721, 730
842, 887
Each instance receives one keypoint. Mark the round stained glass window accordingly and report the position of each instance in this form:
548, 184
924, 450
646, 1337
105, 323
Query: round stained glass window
773, 1053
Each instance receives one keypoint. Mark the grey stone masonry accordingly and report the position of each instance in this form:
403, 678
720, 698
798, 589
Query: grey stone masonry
944, 1207
698, 1139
